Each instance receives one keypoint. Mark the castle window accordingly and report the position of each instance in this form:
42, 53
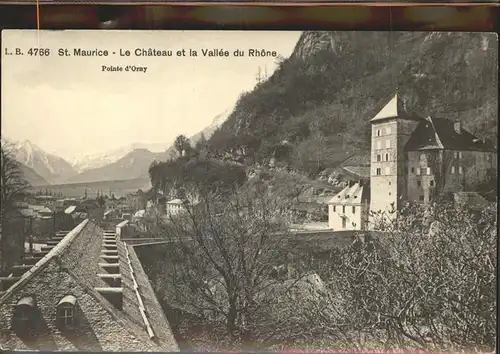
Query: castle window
421, 198
379, 171
460, 170
387, 144
333, 208
378, 158
488, 157
418, 171
428, 171
66, 312
419, 183
344, 223
378, 132
343, 209
386, 157
413, 170
452, 170
458, 155
431, 183
23, 318
354, 210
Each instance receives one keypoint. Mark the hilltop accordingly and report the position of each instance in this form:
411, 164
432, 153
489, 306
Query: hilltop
314, 111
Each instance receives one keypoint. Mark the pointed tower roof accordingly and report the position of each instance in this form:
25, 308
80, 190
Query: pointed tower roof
396, 108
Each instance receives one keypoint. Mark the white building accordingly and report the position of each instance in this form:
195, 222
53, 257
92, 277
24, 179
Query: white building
348, 210
174, 206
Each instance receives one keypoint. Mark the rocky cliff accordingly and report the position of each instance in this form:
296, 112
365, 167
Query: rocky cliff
314, 111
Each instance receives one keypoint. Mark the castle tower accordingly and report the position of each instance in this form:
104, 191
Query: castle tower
391, 129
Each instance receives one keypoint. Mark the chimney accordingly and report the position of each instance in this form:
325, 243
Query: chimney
457, 126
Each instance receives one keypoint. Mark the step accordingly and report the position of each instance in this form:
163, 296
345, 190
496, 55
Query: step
110, 247
113, 295
109, 276
113, 280
57, 238
109, 252
46, 248
113, 268
52, 242
109, 258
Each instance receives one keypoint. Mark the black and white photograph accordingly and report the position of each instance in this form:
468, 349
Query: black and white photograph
237, 191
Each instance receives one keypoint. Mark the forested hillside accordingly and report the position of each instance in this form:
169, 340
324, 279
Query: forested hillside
314, 111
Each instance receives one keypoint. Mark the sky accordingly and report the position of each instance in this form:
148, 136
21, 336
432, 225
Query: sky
69, 107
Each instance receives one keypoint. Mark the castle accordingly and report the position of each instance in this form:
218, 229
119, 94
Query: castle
413, 159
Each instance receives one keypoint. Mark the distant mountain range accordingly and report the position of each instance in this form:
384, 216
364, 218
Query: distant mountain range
51, 168
33, 178
94, 161
41, 168
135, 163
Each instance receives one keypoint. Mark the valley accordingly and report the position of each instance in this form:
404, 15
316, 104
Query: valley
119, 188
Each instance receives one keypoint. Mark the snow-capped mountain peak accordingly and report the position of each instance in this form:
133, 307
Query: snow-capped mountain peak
53, 169
98, 160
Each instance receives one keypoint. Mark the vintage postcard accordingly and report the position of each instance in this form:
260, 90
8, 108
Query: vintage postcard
248, 190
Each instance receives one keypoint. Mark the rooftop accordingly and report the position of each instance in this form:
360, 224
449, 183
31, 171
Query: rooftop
440, 133
140, 314
395, 108
70, 209
355, 193
175, 201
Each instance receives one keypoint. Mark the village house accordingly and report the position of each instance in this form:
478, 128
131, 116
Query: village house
349, 209
86, 290
174, 207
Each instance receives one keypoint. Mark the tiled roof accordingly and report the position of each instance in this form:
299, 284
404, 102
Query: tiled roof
361, 172
140, 213
175, 201
70, 209
439, 133
395, 108
353, 194
149, 309
79, 254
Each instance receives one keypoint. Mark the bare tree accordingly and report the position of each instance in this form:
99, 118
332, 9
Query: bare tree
428, 281
233, 244
182, 144
13, 184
